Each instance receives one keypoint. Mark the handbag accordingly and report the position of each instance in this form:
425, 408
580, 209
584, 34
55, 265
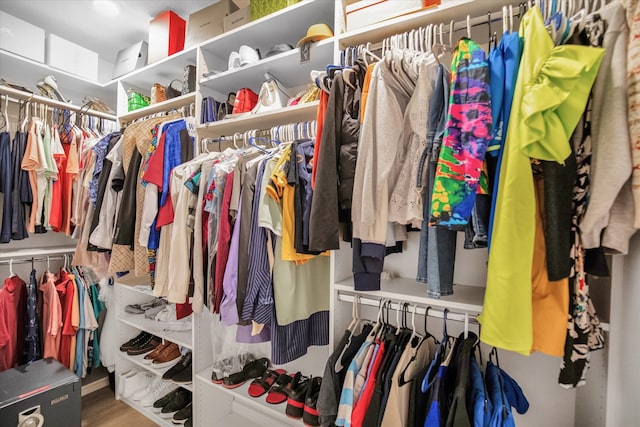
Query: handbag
136, 100
172, 92
271, 97
189, 79
158, 93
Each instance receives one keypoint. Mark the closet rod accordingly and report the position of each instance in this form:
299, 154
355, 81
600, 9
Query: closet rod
18, 94
28, 253
474, 22
23, 260
451, 315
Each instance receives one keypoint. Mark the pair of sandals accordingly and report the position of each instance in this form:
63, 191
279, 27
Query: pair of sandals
281, 387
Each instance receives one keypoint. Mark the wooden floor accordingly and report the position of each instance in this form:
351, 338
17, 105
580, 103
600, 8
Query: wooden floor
100, 409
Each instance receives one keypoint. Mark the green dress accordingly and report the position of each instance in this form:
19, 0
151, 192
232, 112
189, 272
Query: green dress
550, 97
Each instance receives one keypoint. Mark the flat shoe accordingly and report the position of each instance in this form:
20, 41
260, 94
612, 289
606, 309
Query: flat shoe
278, 391
262, 385
251, 370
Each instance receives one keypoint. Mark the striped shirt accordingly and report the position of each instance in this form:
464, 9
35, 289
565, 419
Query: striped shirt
347, 398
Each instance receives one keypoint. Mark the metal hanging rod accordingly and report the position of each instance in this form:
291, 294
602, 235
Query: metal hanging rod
37, 252
16, 94
432, 312
22, 260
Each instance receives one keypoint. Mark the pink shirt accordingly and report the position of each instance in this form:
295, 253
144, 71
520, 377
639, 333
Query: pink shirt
51, 317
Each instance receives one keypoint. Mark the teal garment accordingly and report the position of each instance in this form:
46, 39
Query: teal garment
98, 307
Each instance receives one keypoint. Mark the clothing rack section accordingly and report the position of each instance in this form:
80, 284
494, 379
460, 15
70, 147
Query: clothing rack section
18, 95
468, 318
36, 252
12, 261
275, 135
184, 104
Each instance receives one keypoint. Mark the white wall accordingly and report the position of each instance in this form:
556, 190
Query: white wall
623, 399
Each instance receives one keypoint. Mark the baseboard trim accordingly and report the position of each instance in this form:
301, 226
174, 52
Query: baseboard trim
95, 385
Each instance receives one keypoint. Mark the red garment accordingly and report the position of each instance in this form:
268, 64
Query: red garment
166, 212
66, 289
153, 174
224, 239
361, 406
58, 202
321, 113
13, 306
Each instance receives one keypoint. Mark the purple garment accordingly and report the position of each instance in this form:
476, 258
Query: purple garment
100, 150
228, 308
243, 335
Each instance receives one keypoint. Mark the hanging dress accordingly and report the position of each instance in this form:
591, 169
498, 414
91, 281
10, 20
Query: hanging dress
551, 93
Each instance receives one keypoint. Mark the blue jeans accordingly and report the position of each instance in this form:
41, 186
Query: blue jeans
436, 257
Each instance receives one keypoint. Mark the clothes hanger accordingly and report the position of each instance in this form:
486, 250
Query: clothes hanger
468, 26
466, 325
11, 273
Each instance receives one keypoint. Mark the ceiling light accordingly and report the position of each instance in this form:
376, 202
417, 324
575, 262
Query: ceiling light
106, 8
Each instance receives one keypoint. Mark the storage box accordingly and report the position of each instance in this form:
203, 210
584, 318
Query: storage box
43, 392
208, 22
166, 35
67, 56
367, 12
260, 8
237, 19
20, 37
131, 59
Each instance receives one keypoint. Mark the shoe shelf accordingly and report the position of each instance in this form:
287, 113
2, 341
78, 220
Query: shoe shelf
138, 321
26, 72
286, 67
167, 105
241, 396
147, 412
267, 119
139, 361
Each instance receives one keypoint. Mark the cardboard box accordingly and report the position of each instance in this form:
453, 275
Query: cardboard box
166, 35
131, 59
208, 22
366, 12
237, 19
21, 38
260, 8
67, 56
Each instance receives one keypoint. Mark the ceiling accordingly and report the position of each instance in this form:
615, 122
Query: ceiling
78, 21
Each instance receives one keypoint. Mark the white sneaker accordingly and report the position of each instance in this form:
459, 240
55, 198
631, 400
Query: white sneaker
162, 388
138, 395
127, 380
137, 383
121, 379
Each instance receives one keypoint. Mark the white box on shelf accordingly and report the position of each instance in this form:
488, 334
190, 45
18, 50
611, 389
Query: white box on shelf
21, 38
131, 59
366, 12
67, 56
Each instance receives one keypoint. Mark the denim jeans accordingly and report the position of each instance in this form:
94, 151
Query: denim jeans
437, 245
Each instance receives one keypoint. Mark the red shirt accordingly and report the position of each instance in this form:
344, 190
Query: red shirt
13, 306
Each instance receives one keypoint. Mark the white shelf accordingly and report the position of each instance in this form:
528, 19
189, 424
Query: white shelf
39, 252
147, 412
464, 298
139, 360
444, 13
27, 72
138, 321
296, 113
285, 67
284, 26
163, 71
241, 394
167, 105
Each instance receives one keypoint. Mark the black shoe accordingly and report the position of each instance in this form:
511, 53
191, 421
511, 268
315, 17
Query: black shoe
189, 422
181, 399
145, 346
183, 415
310, 417
133, 342
160, 403
184, 377
183, 364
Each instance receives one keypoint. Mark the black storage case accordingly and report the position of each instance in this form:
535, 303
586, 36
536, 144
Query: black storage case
45, 387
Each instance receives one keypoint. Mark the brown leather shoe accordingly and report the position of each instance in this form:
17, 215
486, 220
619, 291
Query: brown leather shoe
167, 357
145, 346
151, 356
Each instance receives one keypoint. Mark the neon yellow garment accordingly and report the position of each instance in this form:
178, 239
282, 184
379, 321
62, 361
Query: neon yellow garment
550, 96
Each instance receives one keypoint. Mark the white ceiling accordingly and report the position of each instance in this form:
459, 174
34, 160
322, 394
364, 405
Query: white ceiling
77, 20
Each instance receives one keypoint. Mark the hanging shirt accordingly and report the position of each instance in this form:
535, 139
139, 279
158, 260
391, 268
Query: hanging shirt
32, 341
13, 298
551, 93
51, 317
66, 292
